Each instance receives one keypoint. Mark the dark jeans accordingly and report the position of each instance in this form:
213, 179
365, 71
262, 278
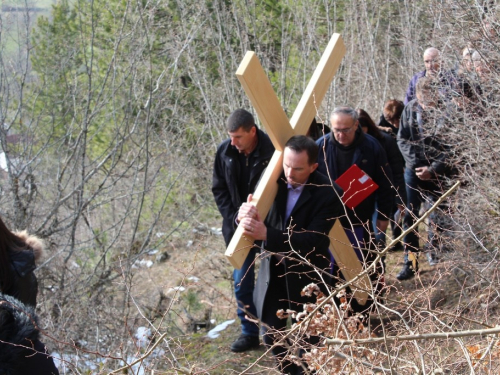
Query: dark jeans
380, 237
244, 284
419, 191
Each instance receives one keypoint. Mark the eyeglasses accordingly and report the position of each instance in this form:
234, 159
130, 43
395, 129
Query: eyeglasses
343, 131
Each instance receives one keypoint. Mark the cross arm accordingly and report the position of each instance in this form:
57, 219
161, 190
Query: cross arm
263, 198
261, 94
318, 85
348, 262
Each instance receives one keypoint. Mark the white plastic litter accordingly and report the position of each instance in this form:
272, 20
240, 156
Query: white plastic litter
214, 332
142, 336
176, 289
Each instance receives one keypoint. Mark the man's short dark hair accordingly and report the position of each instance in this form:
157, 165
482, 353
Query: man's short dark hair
240, 118
299, 143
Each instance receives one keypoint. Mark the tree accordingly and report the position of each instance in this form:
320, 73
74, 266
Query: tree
111, 114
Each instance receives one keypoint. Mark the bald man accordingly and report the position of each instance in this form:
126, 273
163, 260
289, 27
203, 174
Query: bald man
433, 68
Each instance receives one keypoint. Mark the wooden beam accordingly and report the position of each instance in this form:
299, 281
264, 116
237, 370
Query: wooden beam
318, 85
263, 98
348, 262
260, 92
263, 199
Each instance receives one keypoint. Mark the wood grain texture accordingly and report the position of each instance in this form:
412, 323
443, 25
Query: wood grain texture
348, 262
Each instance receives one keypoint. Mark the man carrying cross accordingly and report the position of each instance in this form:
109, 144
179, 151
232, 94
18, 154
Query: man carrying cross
239, 163
267, 106
295, 239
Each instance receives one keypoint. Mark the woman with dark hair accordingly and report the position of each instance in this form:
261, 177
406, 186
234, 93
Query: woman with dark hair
397, 164
21, 352
391, 114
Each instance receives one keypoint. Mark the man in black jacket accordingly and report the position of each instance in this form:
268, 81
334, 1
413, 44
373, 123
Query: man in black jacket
239, 163
295, 239
421, 139
347, 145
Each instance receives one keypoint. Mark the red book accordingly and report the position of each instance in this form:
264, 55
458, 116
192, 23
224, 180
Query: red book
357, 186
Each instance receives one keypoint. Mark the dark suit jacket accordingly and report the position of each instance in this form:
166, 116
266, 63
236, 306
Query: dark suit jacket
310, 221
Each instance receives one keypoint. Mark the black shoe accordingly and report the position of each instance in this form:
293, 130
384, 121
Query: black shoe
409, 269
406, 273
244, 343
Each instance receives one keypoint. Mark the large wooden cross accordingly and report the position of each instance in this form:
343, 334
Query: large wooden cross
272, 116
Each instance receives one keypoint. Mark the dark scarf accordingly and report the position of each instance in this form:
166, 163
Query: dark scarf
345, 154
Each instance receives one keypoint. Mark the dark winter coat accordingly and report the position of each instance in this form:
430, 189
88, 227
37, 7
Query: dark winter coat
21, 351
446, 79
226, 175
25, 285
312, 217
422, 141
397, 164
370, 157
386, 124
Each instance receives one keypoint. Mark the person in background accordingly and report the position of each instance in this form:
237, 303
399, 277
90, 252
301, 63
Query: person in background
422, 140
21, 351
389, 122
239, 163
317, 130
18, 253
396, 163
466, 65
488, 83
483, 67
433, 68
391, 115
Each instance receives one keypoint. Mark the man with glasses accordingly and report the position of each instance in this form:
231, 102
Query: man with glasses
347, 145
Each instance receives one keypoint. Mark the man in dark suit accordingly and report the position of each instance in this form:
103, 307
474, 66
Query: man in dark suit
295, 239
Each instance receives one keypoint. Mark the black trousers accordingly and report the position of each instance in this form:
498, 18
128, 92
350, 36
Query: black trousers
282, 295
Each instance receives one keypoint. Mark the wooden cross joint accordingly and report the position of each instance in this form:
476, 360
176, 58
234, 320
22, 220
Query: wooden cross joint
272, 116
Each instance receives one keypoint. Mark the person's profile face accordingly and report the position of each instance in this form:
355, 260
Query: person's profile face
467, 63
243, 140
296, 167
482, 69
427, 99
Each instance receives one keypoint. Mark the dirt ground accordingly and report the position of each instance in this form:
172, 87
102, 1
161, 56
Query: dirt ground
207, 300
